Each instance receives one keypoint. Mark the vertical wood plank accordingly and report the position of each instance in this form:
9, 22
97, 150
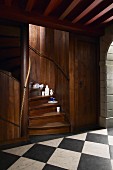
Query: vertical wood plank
8, 109
24, 71
72, 85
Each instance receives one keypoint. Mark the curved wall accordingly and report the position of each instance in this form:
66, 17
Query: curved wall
106, 78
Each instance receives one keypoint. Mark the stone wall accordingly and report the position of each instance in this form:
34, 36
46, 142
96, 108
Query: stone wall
106, 78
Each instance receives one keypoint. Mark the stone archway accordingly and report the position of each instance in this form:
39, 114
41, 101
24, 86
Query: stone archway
106, 78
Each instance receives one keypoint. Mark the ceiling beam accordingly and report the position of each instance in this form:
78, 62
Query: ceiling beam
70, 8
29, 5
87, 10
31, 18
108, 20
103, 12
8, 2
51, 6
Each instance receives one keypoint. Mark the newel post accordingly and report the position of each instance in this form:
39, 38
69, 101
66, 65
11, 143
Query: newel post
24, 70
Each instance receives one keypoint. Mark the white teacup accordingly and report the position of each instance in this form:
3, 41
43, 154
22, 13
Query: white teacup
58, 109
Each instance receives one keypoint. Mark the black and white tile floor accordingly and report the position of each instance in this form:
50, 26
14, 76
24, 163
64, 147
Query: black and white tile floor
87, 151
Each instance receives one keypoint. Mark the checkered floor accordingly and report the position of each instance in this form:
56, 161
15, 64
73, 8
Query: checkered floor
87, 151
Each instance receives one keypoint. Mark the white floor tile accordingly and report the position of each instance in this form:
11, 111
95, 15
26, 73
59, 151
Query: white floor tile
27, 164
79, 136
19, 150
110, 140
54, 142
101, 132
96, 149
112, 164
65, 159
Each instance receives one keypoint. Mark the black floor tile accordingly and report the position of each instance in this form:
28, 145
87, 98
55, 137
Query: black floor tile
51, 167
6, 160
97, 138
41, 138
39, 152
71, 144
110, 131
9, 146
111, 151
89, 162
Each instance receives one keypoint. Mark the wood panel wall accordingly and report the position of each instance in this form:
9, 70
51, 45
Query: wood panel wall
9, 107
14, 59
55, 45
77, 87
84, 82
10, 52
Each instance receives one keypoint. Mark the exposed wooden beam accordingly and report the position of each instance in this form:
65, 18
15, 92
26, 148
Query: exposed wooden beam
100, 14
70, 8
30, 4
87, 10
8, 2
52, 5
32, 18
108, 20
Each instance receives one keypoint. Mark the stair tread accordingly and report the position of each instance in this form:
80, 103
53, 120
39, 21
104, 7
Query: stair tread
50, 125
44, 105
47, 114
38, 97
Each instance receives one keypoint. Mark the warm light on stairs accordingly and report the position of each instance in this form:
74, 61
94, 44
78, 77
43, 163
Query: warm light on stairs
44, 118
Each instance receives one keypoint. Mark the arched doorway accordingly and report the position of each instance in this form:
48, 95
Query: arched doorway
106, 79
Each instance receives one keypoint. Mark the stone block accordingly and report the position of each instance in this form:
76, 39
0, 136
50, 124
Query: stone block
109, 56
103, 106
109, 98
110, 106
110, 50
103, 76
103, 84
109, 69
110, 90
103, 113
106, 122
109, 83
109, 62
109, 76
109, 113
103, 69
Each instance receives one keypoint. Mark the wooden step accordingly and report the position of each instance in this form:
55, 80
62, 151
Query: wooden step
43, 118
43, 108
34, 92
49, 128
38, 100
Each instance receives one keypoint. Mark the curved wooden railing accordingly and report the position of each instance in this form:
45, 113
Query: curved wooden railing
50, 59
8, 74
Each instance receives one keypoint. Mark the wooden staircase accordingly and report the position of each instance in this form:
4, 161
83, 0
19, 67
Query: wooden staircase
44, 119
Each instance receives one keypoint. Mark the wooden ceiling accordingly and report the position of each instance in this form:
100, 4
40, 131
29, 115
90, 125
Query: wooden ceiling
88, 16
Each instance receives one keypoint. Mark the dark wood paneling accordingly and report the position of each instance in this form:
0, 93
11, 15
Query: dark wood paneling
24, 74
76, 88
55, 45
14, 58
9, 107
86, 83
61, 53
10, 40
10, 31
73, 76
83, 80
42, 70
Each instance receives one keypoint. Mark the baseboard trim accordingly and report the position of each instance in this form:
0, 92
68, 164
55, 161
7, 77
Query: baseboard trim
12, 142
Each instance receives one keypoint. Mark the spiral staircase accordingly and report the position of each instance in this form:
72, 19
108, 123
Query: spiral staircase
44, 118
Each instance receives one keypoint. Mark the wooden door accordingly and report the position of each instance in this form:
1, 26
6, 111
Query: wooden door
87, 89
